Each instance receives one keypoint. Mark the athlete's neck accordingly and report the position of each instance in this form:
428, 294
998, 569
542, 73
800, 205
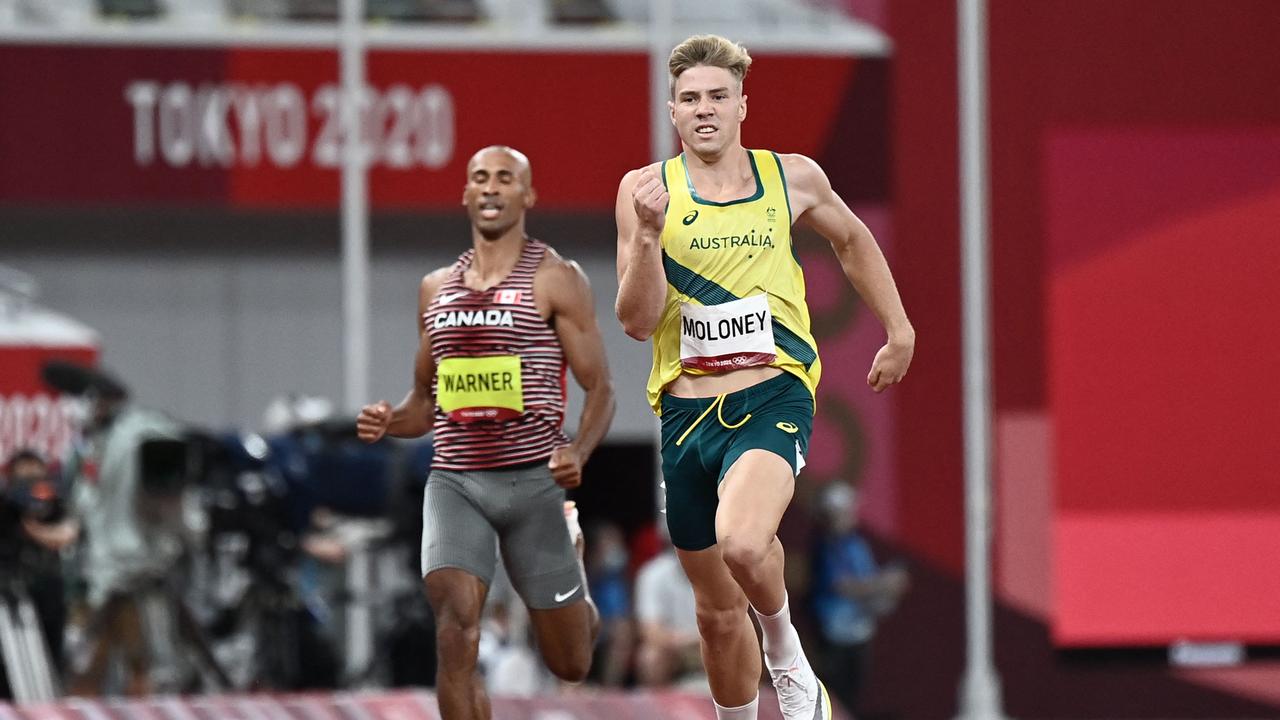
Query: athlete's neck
722, 176
494, 259
733, 155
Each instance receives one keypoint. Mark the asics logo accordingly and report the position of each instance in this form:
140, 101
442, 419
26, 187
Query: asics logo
688, 219
561, 597
788, 427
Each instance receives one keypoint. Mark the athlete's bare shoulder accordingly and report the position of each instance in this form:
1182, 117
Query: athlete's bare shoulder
556, 269
559, 283
806, 182
632, 178
802, 170
427, 290
430, 285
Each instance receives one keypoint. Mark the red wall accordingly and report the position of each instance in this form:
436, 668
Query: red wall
1132, 142
1135, 176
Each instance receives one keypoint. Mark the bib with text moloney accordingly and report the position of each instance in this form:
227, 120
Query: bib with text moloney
731, 335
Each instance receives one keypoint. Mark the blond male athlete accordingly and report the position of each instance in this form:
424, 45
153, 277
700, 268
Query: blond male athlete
706, 268
497, 330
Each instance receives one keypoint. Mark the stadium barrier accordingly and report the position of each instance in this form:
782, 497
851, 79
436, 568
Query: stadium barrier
582, 704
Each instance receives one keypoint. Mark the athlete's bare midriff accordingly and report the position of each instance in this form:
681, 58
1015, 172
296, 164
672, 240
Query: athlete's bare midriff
697, 386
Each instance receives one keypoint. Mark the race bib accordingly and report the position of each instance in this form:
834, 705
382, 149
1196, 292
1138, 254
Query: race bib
480, 388
727, 336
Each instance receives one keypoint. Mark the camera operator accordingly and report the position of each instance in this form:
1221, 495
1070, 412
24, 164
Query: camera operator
129, 546
34, 529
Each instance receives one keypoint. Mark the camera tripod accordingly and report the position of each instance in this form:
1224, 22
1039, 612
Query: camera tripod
164, 632
25, 655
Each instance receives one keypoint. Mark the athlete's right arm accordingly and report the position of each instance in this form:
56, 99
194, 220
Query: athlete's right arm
412, 417
642, 284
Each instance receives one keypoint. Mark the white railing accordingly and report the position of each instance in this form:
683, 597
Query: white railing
763, 25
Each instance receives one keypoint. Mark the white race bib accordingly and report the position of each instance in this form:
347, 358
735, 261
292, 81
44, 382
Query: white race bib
727, 336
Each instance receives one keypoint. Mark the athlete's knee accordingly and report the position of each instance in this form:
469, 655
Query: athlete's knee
457, 614
571, 665
567, 638
721, 623
743, 555
457, 642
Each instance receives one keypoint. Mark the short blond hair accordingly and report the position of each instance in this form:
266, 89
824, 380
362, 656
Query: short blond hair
710, 50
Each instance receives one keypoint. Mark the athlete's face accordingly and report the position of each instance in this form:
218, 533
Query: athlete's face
498, 191
707, 108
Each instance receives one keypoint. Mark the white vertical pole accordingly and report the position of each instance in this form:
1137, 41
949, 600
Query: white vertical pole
662, 144
355, 212
980, 689
355, 288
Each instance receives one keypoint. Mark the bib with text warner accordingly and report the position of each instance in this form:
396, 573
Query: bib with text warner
480, 388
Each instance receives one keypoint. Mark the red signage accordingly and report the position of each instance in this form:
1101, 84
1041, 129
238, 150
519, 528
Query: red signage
261, 128
32, 416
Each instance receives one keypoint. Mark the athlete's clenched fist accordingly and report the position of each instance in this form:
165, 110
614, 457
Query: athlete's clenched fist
650, 199
372, 422
566, 466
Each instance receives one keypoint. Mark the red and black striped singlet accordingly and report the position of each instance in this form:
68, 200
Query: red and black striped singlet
500, 321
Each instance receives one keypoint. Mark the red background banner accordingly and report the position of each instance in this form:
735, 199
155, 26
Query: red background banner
259, 128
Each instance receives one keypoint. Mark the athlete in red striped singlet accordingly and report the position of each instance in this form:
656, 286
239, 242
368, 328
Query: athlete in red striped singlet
502, 320
497, 331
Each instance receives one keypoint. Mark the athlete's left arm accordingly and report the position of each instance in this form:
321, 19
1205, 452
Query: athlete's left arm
573, 312
816, 204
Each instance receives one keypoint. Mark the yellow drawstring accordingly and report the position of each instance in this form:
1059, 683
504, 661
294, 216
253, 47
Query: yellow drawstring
727, 426
718, 406
712, 406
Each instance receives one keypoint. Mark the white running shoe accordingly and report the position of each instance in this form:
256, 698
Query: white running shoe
801, 695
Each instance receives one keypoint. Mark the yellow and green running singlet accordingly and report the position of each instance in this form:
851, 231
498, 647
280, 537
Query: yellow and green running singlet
735, 290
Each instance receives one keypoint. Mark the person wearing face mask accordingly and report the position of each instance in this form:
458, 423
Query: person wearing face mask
850, 592
36, 529
669, 650
611, 590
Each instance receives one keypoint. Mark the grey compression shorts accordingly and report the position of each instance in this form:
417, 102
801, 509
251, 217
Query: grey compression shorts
468, 516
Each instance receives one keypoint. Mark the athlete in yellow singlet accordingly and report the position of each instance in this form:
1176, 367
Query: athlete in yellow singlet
706, 269
724, 254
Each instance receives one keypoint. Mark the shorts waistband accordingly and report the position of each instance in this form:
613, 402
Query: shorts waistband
515, 468
765, 387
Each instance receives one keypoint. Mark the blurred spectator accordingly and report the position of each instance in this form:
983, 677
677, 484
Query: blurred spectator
850, 592
43, 12
34, 530
581, 11
607, 577
133, 9
393, 10
130, 544
510, 663
669, 651
424, 10
258, 9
